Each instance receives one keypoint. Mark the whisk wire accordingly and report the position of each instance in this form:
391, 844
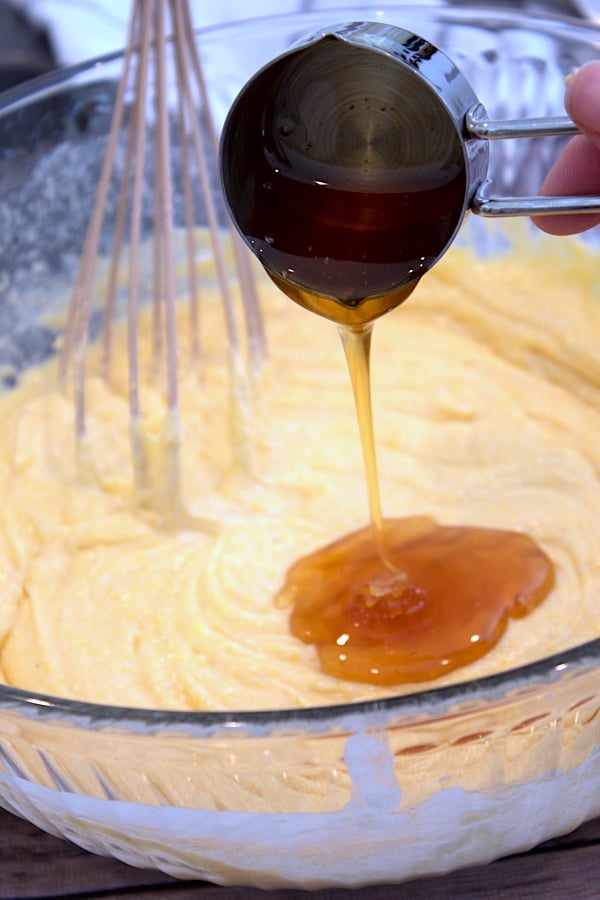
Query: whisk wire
139, 133
77, 326
188, 206
142, 122
255, 325
166, 209
180, 45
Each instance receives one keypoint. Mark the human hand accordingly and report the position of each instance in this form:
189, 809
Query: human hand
577, 169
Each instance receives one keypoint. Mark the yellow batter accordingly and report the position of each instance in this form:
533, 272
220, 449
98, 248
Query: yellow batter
487, 412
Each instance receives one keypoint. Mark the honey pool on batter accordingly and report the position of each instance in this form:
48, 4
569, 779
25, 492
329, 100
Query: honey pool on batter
486, 394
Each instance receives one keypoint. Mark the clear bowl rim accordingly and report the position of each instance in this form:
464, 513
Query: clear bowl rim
432, 700
488, 16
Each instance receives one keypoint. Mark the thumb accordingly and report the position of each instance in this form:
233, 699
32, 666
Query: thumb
577, 170
582, 100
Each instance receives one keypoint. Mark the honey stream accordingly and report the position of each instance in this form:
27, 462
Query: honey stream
347, 194
357, 348
408, 599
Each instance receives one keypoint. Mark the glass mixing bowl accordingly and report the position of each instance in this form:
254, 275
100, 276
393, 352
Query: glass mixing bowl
347, 795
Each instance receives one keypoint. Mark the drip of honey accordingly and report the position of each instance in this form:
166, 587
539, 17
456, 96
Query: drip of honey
446, 604
357, 347
407, 599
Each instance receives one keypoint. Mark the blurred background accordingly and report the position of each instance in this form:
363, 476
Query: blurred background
38, 35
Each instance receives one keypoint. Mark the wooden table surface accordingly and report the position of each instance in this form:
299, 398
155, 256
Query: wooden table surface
35, 865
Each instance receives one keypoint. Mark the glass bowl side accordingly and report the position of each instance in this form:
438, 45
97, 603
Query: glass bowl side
264, 804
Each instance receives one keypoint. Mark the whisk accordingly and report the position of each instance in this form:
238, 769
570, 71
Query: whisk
161, 51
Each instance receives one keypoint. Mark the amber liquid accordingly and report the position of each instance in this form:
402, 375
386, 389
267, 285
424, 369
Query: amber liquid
357, 265
342, 197
347, 212
357, 347
408, 600
447, 604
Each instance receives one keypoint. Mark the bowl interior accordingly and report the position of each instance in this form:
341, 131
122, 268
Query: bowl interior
52, 139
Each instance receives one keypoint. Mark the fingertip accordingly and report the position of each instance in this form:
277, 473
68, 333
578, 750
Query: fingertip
575, 173
565, 225
582, 98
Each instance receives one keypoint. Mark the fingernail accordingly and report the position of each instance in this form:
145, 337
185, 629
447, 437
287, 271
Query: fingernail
582, 96
571, 75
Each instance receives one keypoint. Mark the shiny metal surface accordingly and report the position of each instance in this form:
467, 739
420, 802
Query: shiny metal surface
505, 207
354, 108
433, 104
480, 126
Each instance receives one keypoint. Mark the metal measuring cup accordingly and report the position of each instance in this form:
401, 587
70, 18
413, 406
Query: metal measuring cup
350, 161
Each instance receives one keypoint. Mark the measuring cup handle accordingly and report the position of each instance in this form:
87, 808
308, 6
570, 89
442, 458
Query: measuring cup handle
484, 205
478, 125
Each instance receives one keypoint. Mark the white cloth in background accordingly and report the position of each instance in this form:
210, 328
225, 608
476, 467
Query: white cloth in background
83, 29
